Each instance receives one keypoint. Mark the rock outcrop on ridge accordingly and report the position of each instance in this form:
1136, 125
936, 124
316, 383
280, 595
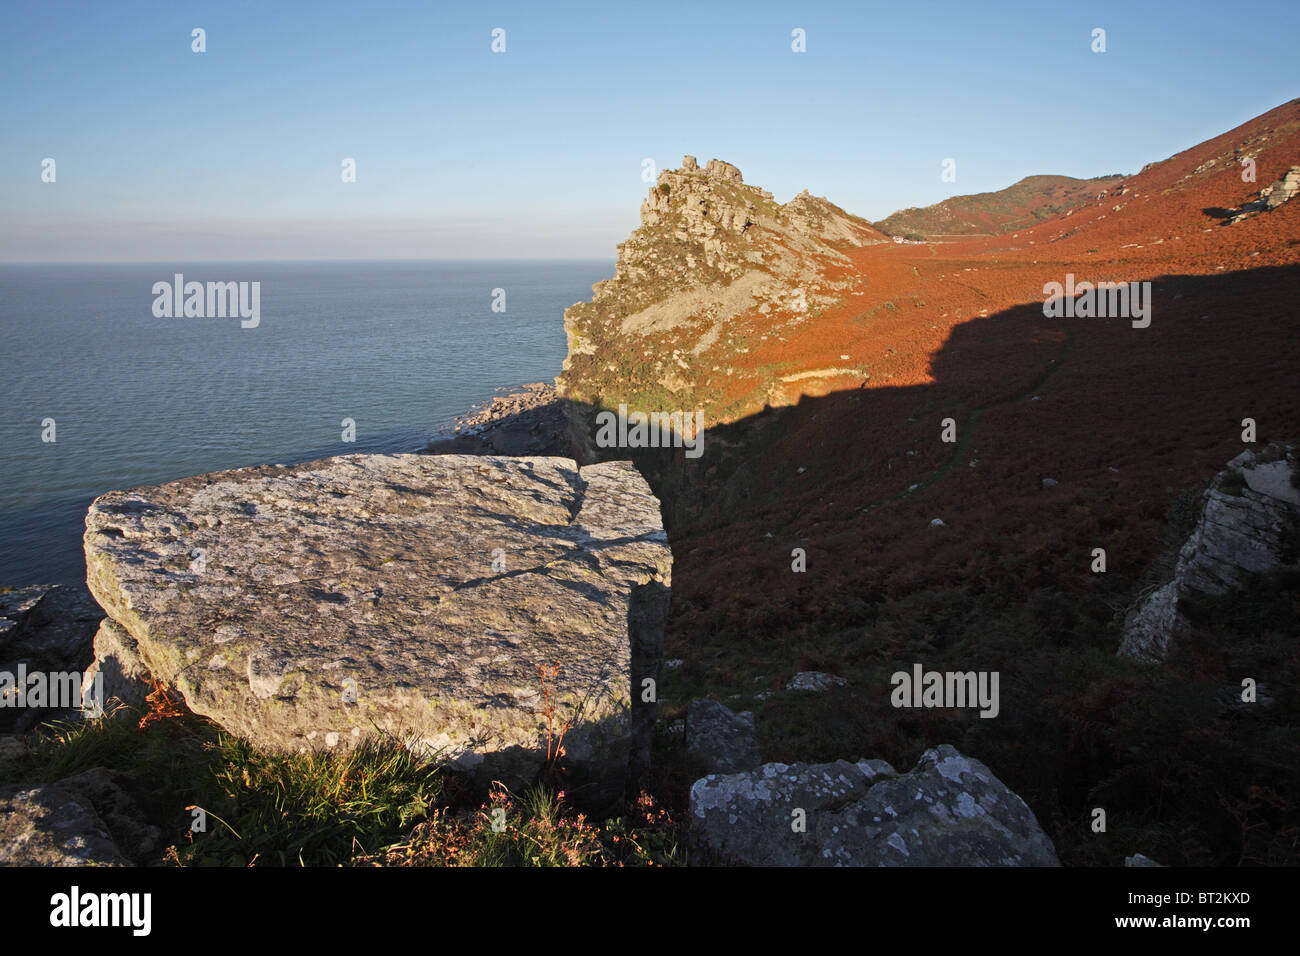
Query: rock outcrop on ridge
306, 607
948, 811
711, 256
1270, 197
1248, 525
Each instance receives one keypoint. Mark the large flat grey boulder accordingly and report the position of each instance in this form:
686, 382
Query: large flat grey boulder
305, 607
950, 810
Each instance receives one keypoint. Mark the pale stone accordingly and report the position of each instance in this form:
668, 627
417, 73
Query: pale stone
85, 820
1241, 531
373, 576
950, 810
814, 681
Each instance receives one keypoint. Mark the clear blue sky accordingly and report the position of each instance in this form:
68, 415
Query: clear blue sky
165, 154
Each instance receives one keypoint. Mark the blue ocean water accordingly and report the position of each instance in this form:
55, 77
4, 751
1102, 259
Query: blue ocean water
401, 348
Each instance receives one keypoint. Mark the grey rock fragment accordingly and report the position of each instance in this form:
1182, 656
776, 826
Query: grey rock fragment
125, 676
47, 630
14, 607
948, 811
814, 681
87, 819
721, 741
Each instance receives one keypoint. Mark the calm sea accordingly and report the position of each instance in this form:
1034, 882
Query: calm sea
401, 348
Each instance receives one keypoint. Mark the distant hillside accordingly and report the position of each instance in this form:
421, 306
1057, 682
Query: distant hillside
1027, 203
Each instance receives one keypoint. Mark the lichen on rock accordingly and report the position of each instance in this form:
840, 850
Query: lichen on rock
950, 810
306, 607
1250, 512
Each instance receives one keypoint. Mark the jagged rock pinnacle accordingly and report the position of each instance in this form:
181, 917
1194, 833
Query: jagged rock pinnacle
714, 169
711, 253
717, 169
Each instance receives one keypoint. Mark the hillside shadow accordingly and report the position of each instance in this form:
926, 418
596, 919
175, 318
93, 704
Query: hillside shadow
1217, 348
1068, 435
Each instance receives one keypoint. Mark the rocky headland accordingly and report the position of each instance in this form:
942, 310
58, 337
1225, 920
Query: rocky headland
714, 262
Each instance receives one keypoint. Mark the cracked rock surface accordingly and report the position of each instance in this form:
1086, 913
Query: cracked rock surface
304, 607
88, 819
950, 810
1249, 519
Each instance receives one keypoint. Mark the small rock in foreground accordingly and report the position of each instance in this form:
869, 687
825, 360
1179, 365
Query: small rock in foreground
948, 811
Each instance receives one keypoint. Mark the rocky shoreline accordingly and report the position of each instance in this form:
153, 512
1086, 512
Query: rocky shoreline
529, 420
